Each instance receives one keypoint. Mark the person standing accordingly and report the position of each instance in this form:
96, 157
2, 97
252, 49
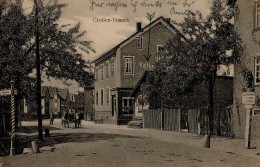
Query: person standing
66, 117
77, 120
51, 118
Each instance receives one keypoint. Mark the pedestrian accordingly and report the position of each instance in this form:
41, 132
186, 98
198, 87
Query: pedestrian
51, 118
79, 120
76, 120
66, 120
63, 120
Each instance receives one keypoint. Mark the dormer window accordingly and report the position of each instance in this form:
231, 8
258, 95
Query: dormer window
139, 43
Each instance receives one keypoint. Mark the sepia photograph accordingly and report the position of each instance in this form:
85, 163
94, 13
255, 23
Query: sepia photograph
129, 83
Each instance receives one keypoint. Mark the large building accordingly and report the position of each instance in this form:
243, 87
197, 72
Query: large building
118, 70
248, 25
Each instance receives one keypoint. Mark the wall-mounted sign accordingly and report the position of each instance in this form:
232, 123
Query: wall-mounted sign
248, 98
145, 65
5, 92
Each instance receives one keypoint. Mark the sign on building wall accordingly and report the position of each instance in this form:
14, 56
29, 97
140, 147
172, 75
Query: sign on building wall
248, 98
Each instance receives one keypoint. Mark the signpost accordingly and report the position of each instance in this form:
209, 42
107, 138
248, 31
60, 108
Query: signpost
248, 99
12, 92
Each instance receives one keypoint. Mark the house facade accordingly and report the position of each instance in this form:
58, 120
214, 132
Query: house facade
53, 100
248, 26
66, 100
118, 70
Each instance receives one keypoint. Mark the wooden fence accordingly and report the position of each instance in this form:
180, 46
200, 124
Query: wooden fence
170, 120
152, 119
166, 119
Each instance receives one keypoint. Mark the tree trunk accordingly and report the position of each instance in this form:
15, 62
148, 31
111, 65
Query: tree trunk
210, 110
38, 71
211, 103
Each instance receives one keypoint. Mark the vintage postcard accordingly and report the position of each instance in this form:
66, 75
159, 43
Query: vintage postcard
129, 83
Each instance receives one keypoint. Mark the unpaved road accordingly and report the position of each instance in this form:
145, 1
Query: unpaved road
146, 148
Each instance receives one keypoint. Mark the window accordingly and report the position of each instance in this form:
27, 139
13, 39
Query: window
139, 43
96, 74
112, 66
257, 70
160, 50
102, 72
129, 65
257, 14
127, 106
96, 97
107, 72
107, 95
256, 112
102, 96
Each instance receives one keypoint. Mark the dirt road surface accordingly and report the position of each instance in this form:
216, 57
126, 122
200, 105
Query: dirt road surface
137, 148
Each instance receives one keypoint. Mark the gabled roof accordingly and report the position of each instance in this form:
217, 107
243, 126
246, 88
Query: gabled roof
44, 91
71, 97
138, 85
63, 93
147, 27
52, 91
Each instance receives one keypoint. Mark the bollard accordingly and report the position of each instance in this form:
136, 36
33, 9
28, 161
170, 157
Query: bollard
35, 147
47, 132
207, 141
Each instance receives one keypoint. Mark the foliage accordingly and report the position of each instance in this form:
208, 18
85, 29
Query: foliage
79, 102
249, 79
193, 56
59, 47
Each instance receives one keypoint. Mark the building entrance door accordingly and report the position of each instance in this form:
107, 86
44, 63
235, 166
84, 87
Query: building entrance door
113, 105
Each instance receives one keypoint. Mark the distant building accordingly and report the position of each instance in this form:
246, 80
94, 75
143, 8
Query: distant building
52, 100
66, 99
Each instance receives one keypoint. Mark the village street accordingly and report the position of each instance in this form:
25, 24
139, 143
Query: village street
137, 147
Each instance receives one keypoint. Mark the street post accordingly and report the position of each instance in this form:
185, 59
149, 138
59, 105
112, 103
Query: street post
248, 99
12, 149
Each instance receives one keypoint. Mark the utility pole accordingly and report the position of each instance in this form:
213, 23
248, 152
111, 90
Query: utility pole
38, 71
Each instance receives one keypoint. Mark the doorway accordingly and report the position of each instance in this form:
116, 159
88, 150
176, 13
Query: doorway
113, 105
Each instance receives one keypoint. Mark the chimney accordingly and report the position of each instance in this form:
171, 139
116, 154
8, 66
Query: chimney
138, 27
168, 20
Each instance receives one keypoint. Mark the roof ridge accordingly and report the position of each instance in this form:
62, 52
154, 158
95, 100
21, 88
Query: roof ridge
115, 47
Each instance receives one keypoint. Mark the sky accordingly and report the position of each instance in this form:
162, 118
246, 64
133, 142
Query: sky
106, 35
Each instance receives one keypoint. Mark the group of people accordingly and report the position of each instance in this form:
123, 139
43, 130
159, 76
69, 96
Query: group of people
73, 116
68, 116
